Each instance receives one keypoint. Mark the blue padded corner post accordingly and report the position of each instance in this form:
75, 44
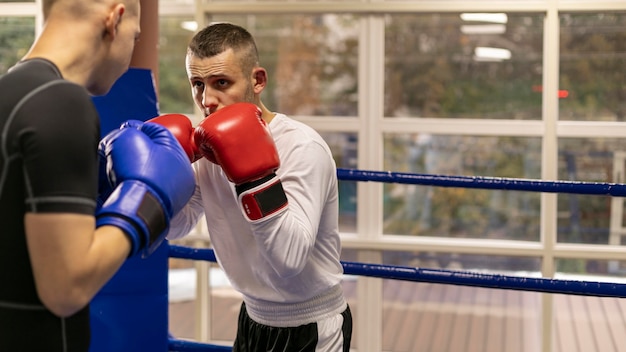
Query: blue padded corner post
130, 313
132, 97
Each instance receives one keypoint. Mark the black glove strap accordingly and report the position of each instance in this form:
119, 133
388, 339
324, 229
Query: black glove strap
151, 212
250, 185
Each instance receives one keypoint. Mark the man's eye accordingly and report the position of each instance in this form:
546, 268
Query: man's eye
221, 83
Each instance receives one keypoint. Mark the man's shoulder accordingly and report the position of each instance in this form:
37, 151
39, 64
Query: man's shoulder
291, 133
285, 124
30, 75
40, 68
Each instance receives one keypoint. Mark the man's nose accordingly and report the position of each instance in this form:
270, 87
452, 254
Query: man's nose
209, 102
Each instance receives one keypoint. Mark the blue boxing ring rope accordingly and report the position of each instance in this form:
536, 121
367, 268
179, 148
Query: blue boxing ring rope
452, 277
441, 276
483, 182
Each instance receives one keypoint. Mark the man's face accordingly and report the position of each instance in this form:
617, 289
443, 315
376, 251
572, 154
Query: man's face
219, 81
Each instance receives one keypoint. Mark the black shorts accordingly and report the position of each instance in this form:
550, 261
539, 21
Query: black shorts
332, 334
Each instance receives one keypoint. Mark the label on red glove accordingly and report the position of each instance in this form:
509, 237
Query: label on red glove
264, 200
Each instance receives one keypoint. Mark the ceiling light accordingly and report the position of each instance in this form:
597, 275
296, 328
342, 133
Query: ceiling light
483, 29
482, 53
191, 26
485, 17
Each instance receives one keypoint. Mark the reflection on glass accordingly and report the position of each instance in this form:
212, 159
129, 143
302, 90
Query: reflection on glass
591, 270
461, 212
505, 265
460, 66
344, 149
311, 61
587, 218
16, 37
174, 90
592, 66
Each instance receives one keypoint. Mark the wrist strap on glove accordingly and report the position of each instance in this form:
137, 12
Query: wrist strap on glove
262, 198
138, 211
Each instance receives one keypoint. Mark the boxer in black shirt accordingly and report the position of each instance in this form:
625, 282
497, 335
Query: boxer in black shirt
58, 245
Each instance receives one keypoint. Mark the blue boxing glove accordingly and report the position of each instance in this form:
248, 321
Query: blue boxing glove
105, 188
153, 181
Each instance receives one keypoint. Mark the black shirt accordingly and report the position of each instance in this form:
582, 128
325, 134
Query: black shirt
49, 132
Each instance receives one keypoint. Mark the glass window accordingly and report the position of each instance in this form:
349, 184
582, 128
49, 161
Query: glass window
462, 212
587, 218
591, 270
464, 66
174, 90
311, 61
505, 265
344, 149
16, 36
592, 66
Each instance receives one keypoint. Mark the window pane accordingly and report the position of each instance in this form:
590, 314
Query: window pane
461, 212
311, 61
174, 88
505, 265
16, 37
591, 270
587, 218
344, 149
451, 65
593, 65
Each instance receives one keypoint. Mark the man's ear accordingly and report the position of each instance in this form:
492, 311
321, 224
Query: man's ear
113, 19
260, 79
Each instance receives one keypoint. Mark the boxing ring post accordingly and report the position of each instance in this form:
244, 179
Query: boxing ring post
130, 313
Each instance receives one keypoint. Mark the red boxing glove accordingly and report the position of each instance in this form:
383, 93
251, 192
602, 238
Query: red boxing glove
236, 138
180, 126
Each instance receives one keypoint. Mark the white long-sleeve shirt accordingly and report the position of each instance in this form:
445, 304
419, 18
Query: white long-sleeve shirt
287, 266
